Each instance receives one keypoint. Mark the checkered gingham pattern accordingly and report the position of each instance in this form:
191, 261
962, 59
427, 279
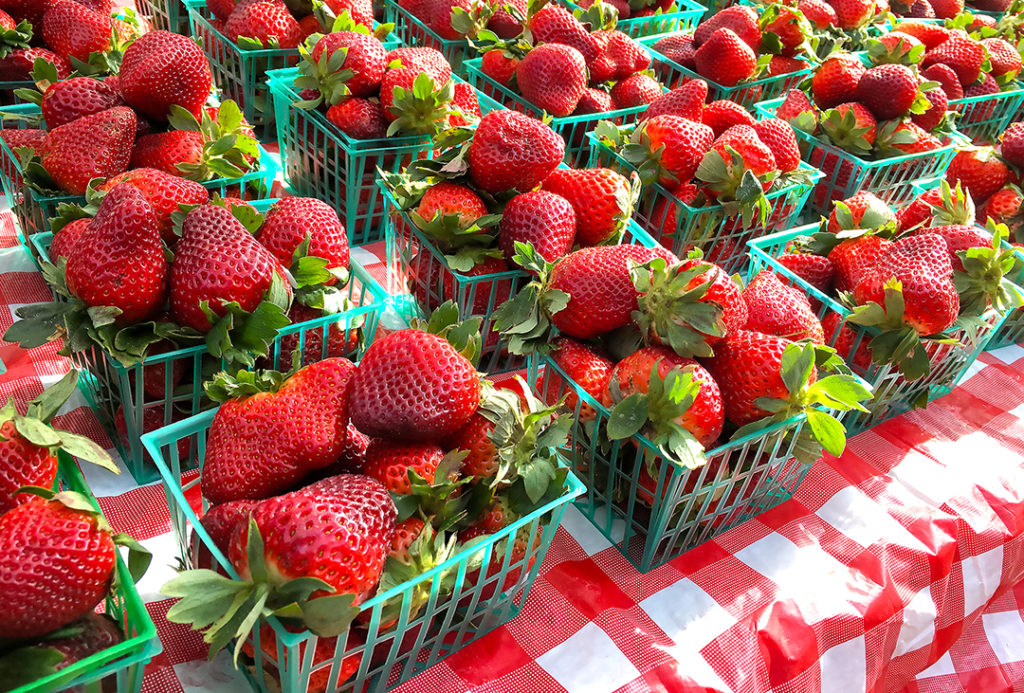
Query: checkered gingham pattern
899, 567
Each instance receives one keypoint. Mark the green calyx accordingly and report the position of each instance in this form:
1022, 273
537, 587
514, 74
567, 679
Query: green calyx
229, 151
956, 208
470, 23
328, 75
841, 129
244, 383
427, 551
16, 38
525, 319
637, 149
441, 502
673, 310
239, 336
983, 282
424, 109
464, 335
897, 343
737, 188
839, 391
881, 54
315, 284
68, 212
227, 609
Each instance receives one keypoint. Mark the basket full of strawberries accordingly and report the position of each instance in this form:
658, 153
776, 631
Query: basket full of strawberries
641, 18
437, 496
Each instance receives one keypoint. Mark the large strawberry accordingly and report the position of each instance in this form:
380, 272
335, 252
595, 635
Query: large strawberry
725, 59
836, 80
888, 90
556, 25
75, 31
390, 463
263, 25
784, 311
686, 101
511, 151
271, 431
541, 218
585, 366
740, 19
164, 192
979, 170
96, 146
601, 198
359, 74
964, 55
18, 65
668, 149
292, 220
162, 69
553, 77
74, 98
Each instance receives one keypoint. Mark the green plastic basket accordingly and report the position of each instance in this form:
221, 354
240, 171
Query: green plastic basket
414, 258
746, 94
165, 15
388, 658
413, 32
685, 18
720, 235
321, 161
169, 386
118, 668
34, 210
984, 118
574, 128
847, 174
651, 525
894, 394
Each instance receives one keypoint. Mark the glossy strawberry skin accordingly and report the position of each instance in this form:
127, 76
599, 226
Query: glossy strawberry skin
596, 196
979, 171
553, 77
499, 67
366, 57
164, 192
740, 19
96, 146
777, 309
22, 464
778, 135
481, 460
888, 90
74, 30
852, 258
286, 225
726, 59
541, 218
816, 270
17, 65
587, 367
746, 367
66, 239
263, 444
163, 151
556, 25
71, 99
55, 567
264, 22
390, 462
686, 101
684, 142
220, 522
962, 54
162, 69
513, 151
359, 118
836, 79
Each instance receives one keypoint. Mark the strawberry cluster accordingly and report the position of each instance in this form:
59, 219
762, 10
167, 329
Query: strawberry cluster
949, 9
258, 24
992, 176
388, 469
454, 20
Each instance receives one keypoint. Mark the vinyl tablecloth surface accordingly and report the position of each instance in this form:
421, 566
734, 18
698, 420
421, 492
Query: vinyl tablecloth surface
898, 567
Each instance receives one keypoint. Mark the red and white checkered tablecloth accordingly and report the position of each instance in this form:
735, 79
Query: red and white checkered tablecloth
899, 567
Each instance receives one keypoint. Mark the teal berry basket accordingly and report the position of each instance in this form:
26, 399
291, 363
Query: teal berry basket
413, 32
655, 519
746, 94
421, 277
684, 17
846, 174
716, 231
573, 129
168, 386
34, 209
321, 161
118, 668
164, 15
475, 605
984, 118
894, 394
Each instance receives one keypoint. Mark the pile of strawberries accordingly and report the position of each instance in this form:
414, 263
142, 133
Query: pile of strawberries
565, 66
259, 24
390, 468
992, 176
948, 9
454, 20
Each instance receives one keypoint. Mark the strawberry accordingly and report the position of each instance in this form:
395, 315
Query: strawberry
753, 155
292, 220
985, 86
938, 104
686, 101
947, 9
359, 118
361, 72
888, 90
361, 11
673, 146
585, 366
853, 14
861, 211
980, 171
1004, 207
1004, 58
725, 59
482, 460
75, 31
895, 47
788, 26
678, 48
557, 25
959, 237
636, 90
918, 211
1012, 145
248, 453
779, 137
119, 260
413, 386
217, 263
601, 198
422, 59
340, 342
30, 10
723, 114
512, 151
85, 637
268, 24
594, 101
164, 192
499, 66
816, 270
406, 532
465, 102
57, 558
855, 257
739, 19
964, 55
896, 138
162, 69
66, 238
704, 417
17, 65
836, 80
746, 367
776, 309
783, 65
797, 110
32, 138
819, 13
541, 218
947, 79
553, 77
850, 126
220, 521
444, 199
166, 151
390, 463
504, 23
95, 146
619, 57
71, 99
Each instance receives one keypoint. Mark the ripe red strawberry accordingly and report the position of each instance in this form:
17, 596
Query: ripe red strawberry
365, 56
619, 57
359, 118
555, 24
164, 192
723, 114
947, 9
890, 139
947, 79
406, 533
636, 90
31, 138
361, 11
853, 14
504, 23
217, 262
75, 31
797, 110
755, 156
740, 19
779, 137
451, 199
919, 211
888, 90
964, 55
705, 417
66, 238
220, 522
541, 218
678, 48
161, 69
482, 460
261, 444
777, 309
119, 260
422, 59
686, 101
340, 342
30, 10
390, 462
1004, 207
861, 211
930, 119
71, 99
816, 270
56, 562
819, 13
1004, 58
499, 66
553, 77
895, 47
787, 26
725, 59
600, 197
513, 151
783, 65
921, 9
855, 257
676, 144
594, 101
96, 146
1012, 145
842, 338
164, 151
586, 367
269, 23
17, 65
959, 237
985, 86
413, 386
292, 219
465, 102
87, 636
836, 80
980, 171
